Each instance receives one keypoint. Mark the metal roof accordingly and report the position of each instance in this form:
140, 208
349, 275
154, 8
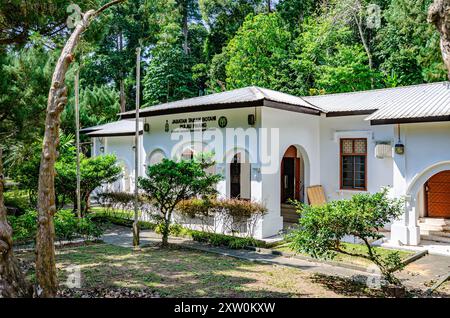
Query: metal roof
407, 102
117, 128
416, 102
241, 97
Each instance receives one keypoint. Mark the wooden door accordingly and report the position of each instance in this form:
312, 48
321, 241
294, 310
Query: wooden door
235, 179
437, 191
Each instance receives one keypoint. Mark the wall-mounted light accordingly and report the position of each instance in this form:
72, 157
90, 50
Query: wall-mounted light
147, 127
134, 148
166, 126
399, 147
102, 149
251, 119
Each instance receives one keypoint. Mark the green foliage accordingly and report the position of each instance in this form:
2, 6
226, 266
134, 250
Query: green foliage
258, 53
223, 18
118, 218
94, 172
408, 45
24, 81
169, 182
174, 230
321, 228
67, 227
233, 242
23, 164
98, 105
168, 77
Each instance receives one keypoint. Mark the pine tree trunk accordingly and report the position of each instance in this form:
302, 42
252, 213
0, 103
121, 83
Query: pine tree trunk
12, 280
439, 15
46, 277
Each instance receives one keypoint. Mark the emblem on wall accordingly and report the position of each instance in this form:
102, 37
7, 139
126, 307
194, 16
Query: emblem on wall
222, 122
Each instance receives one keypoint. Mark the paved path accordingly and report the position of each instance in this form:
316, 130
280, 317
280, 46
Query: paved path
425, 271
417, 275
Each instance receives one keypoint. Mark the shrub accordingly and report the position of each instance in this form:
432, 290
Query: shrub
102, 218
174, 229
24, 226
225, 240
234, 214
321, 228
67, 227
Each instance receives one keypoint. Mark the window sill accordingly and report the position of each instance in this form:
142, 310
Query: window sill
351, 190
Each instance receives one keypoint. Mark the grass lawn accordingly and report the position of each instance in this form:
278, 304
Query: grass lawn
179, 272
354, 248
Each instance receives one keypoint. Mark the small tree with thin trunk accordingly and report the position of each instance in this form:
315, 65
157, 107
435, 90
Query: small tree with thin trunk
46, 278
169, 182
12, 280
322, 228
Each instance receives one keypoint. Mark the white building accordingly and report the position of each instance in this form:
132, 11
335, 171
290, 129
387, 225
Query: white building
271, 146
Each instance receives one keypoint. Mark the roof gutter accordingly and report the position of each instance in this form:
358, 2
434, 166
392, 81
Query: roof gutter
391, 121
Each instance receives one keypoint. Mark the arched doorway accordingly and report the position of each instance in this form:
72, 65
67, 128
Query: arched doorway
239, 177
437, 195
292, 174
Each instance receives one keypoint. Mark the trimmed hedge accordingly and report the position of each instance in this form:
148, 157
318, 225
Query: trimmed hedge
233, 242
103, 218
214, 239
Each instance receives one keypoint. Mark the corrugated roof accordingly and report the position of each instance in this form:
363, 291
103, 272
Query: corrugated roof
414, 101
419, 101
236, 96
117, 128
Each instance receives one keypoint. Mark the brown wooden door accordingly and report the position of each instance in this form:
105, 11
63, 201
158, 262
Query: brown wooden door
438, 195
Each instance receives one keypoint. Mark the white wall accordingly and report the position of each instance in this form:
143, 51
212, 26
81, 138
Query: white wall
121, 147
425, 145
297, 129
379, 171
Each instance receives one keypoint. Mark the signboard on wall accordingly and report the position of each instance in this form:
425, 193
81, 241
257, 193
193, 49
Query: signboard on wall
196, 123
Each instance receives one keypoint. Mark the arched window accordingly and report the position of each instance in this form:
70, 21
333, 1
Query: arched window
187, 154
155, 157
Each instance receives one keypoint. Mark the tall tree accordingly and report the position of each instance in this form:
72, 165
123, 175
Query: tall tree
57, 99
439, 15
25, 74
224, 18
408, 46
258, 53
12, 280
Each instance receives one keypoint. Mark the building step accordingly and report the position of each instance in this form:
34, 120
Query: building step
434, 221
428, 227
289, 213
435, 238
439, 233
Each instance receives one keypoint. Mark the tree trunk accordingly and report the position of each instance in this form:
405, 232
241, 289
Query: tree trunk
57, 99
12, 280
121, 83
439, 15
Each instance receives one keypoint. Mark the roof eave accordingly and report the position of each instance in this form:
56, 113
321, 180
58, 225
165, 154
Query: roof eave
209, 107
119, 134
390, 121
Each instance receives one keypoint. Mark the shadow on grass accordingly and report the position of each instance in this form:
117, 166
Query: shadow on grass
173, 272
347, 287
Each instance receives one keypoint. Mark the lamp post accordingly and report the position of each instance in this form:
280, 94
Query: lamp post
136, 151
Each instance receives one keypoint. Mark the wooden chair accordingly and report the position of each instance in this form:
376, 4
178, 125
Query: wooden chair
316, 195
